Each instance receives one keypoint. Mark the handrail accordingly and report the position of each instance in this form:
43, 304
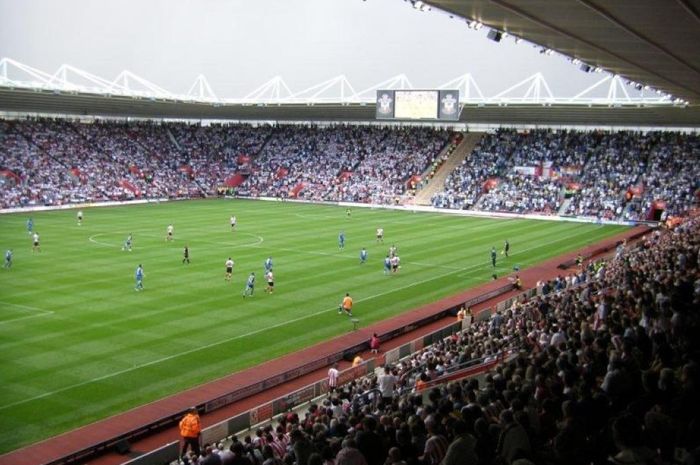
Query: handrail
454, 370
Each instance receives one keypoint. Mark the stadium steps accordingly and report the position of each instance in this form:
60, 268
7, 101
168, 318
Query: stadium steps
437, 183
173, 139
564, 206
269, 138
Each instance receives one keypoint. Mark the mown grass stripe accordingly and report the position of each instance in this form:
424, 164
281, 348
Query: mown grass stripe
107, 348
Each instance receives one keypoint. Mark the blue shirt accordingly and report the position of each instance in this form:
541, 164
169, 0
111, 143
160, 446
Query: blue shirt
341, 238
387, 262
251, 281
268, 264
139, 273
363, 254
8, 255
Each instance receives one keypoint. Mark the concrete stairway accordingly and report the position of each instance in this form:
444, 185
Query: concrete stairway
437, 183
564, 206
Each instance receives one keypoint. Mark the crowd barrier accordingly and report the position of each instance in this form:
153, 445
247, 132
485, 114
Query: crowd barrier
247, 420
592, 252
267, 411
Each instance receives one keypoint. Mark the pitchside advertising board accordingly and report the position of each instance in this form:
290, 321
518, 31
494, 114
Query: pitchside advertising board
418, 105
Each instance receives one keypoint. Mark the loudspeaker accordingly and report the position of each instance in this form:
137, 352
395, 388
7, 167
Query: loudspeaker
122, 447
494, 35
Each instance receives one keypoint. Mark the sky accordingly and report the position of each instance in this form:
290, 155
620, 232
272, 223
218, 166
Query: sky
240, 44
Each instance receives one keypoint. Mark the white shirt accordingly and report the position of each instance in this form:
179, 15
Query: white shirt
229, 263
386, 384
333, 377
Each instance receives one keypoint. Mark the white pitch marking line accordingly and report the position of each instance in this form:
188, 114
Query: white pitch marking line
104, 244
259, 240
39, 312
257, 331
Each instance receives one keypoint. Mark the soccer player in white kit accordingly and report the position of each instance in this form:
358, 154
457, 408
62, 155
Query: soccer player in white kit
229, 269
380, 235
35, 241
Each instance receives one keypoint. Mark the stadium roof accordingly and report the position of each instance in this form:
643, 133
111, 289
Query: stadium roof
650, 42
640, 42
22, 100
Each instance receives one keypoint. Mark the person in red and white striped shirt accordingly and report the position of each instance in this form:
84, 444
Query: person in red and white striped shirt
333, 378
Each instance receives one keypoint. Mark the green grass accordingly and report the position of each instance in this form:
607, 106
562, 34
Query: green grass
78, 344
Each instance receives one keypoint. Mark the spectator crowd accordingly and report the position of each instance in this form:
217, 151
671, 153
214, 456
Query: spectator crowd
50, 162
603, 369
607, 175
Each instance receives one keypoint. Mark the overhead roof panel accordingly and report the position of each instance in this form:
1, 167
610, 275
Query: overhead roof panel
654, 42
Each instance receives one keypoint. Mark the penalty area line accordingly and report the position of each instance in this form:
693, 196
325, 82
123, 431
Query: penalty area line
38, 312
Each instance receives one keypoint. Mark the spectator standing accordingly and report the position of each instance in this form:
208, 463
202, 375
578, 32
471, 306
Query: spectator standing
349, 454
302, 446
462, 449
374, 343
387, 384
436, 445
210, 457
333, 374
461, 313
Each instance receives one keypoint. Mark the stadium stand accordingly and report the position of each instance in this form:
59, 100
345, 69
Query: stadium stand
52, 162
604, 371
592, 174
622, 175
603, 362
602, 368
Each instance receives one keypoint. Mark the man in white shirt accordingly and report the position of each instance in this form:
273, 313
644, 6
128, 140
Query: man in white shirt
387, 383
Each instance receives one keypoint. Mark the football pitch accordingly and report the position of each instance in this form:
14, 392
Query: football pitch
78, 343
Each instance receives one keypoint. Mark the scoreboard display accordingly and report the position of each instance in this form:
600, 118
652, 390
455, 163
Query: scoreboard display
430, 105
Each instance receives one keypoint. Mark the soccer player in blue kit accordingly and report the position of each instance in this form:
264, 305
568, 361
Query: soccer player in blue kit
363, 255
139, 278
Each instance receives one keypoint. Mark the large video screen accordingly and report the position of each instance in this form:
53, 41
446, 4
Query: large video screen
418, 104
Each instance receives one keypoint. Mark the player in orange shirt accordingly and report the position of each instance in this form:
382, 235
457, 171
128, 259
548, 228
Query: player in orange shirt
346, 305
